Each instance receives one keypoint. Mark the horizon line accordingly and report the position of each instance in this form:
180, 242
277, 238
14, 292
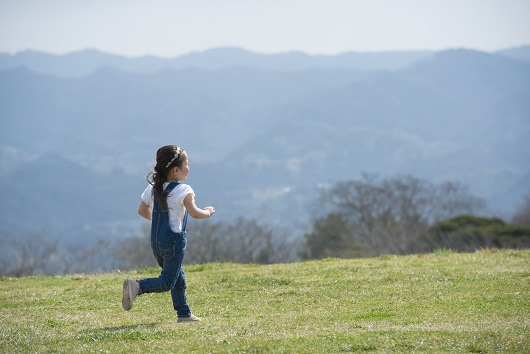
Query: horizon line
294, 51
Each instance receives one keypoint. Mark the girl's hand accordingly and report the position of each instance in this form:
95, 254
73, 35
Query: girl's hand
210, 209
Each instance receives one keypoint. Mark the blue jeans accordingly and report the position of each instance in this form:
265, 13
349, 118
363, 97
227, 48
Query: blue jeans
169, 249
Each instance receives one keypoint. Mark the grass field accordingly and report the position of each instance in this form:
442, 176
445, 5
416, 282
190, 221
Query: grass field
440, 302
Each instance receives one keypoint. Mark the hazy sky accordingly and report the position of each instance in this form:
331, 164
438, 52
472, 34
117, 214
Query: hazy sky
169, 28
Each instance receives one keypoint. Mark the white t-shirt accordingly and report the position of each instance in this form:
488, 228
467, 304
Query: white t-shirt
175, 202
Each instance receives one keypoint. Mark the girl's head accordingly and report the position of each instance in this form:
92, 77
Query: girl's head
171, 159
171, 166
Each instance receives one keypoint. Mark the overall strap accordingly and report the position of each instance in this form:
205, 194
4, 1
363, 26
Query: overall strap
168, 189
171, 186
185, 222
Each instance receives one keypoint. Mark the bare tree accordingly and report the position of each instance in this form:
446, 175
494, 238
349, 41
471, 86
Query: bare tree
135, 251
241, 241
30, 254
522, 215
388, 215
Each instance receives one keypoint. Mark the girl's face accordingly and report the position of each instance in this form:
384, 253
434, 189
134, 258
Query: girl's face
181, 173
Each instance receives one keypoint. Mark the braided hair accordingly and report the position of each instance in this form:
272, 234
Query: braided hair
167, 157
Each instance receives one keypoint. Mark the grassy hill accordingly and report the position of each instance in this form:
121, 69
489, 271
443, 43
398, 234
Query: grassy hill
442, 302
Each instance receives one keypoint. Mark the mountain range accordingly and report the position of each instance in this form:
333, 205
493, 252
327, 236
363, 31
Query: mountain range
80, 64
265, 133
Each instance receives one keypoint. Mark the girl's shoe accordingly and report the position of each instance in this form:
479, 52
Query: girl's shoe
130, 292
192, 318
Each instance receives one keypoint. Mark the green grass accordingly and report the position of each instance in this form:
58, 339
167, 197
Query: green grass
441, 302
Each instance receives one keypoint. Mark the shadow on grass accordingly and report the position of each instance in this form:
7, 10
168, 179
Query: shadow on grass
136, 326
130, 332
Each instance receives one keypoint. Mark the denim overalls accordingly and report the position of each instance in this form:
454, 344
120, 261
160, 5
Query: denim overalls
169, 249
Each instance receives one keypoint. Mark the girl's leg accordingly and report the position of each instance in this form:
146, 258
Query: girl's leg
170, 257
178, 295
131, 288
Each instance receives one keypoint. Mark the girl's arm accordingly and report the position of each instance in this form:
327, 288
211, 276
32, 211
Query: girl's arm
143, 210
189, 203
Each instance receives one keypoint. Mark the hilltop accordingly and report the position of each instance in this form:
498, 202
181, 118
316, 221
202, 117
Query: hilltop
440, 302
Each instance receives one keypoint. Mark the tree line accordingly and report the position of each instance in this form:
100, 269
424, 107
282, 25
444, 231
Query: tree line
372, 216
364, 217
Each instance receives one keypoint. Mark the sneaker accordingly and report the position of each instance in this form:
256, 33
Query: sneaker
130, 291
192, 318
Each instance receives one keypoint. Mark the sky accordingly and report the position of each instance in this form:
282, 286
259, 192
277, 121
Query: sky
170, 28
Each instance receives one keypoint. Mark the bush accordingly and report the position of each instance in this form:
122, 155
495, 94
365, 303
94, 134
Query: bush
467, 233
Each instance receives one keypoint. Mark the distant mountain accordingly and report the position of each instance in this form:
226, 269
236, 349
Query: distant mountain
262, 143
219, 58
83, 63
521, 53
461, 116
60, 198
471, 77
216, 108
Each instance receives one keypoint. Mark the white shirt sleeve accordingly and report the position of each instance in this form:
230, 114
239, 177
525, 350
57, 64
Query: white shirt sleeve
147, 196
184, 190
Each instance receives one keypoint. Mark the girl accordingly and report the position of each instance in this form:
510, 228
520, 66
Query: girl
166, 202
